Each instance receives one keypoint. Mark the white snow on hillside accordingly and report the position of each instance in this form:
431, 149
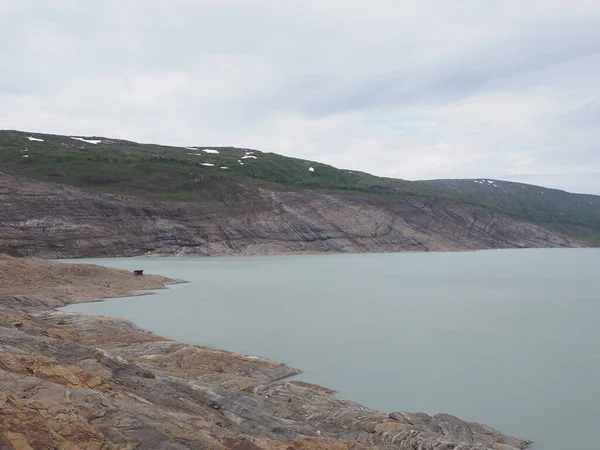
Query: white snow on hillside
485, 181
89, 141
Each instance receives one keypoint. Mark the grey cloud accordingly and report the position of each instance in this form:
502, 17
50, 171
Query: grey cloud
311, 78
584, 117
535, 50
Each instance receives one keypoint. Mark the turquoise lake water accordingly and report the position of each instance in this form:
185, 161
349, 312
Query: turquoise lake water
510, 338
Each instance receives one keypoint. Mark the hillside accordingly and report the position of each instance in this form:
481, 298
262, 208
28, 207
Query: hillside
181, 173
127, 198
573, 214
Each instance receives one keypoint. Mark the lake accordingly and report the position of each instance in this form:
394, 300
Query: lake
510, 338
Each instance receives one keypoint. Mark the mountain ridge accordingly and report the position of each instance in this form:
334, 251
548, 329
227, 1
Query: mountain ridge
271, 204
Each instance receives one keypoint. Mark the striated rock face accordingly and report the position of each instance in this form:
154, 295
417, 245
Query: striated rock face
53, 221
73, 381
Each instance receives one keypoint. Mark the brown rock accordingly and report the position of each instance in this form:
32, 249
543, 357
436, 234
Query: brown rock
72, 381
390, 426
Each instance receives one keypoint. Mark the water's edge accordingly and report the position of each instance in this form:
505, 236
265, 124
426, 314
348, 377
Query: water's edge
291, 376
503, 337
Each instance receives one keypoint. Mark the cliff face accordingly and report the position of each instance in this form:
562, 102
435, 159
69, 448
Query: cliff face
73, 381
54, 221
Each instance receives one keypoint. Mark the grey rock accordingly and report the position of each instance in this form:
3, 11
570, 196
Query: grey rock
53, 221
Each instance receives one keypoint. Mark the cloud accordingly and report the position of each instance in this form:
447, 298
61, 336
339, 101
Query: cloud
417, 89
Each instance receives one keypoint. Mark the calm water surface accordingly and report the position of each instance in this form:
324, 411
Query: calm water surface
506, 337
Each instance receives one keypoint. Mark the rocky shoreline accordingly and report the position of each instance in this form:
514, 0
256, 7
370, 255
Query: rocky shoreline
76, 381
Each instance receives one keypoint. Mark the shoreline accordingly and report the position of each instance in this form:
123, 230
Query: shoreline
76, 260
200, 394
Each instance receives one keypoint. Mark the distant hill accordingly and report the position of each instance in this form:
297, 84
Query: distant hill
573, 214
225, 178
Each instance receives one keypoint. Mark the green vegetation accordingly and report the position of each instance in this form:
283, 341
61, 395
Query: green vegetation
191, 174
175, 172
576, 215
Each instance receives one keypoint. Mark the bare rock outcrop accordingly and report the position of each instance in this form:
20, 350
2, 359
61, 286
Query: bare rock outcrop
75, 381
53, 221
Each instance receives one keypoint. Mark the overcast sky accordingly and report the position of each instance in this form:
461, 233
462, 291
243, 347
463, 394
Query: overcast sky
410, 89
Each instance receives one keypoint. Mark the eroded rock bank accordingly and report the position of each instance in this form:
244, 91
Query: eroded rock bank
52, 221
74, 381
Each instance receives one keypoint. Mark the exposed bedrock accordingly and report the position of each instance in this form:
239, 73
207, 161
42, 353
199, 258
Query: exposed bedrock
52, 221
75, 381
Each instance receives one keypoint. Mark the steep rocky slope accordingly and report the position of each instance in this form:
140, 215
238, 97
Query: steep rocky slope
53, 221
577, 215
73, 381
113, 197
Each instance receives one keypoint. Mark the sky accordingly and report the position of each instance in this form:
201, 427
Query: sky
413, 89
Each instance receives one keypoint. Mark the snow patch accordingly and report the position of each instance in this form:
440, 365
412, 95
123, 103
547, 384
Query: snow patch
89, 141
210, 150
224, 167
490, 181
25, 156
208, 164
249, 156
311, 169
31, 138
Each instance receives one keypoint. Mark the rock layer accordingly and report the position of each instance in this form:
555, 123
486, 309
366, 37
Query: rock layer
53, 221
74, 381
